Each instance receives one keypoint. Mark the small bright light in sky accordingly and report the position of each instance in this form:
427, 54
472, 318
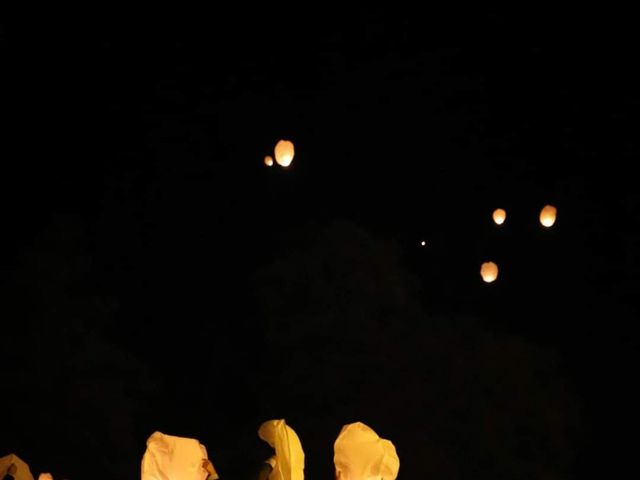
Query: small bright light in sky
489, 272
268, 161
284, 153
548, 215
423, 243
499, 216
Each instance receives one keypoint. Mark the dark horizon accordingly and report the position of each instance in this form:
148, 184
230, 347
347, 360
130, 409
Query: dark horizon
157, 276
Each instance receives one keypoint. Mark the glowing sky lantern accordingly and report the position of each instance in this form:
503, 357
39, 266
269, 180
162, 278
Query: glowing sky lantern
268, 161
499, 216
548, 215
489, 272
284, 153
423, 243
45, 476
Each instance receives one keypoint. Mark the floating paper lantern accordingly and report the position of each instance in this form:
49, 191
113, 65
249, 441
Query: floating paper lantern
284, 153
45, 476
548, 215
423, 243
268, 161
489, 272
499, 216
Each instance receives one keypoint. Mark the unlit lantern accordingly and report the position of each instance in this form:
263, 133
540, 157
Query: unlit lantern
284, 152
489, 272
548, 215
499, 216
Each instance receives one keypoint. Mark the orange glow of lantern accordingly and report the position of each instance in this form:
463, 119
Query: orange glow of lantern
268, 161
284, 153
548, 215
499, 216
489, 272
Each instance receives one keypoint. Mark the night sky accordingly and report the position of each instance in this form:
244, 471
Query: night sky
156, 275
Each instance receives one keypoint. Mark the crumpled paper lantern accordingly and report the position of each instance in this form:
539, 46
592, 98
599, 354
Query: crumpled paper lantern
289, 457
15, 466
360, 454
175, 458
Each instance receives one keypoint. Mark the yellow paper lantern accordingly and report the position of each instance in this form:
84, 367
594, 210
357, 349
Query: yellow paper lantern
284, 153
499, 216
489, 272
16, 467
360, 454
268, 161
288, 463
176, 458
548, 215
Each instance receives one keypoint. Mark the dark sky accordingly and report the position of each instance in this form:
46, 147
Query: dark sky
155, 275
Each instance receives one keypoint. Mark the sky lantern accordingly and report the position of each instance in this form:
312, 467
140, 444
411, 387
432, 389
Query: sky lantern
288, 461
176, 458
45, 476
423, 243
268, 161
360, 454
284, 153
499, 216
489, 271
548, 215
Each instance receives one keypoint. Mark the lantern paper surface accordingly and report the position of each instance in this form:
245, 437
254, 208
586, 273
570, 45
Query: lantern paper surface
360, 454
289, 457
489, 271
548, 215
284, 153
499, 216
173, 458
12, 464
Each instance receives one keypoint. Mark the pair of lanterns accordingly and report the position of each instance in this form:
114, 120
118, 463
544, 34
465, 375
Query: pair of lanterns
283, 153
489, 270
547, 216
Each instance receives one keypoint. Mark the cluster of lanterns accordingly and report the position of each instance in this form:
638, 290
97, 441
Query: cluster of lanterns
283, 153
359, 454
489, 270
